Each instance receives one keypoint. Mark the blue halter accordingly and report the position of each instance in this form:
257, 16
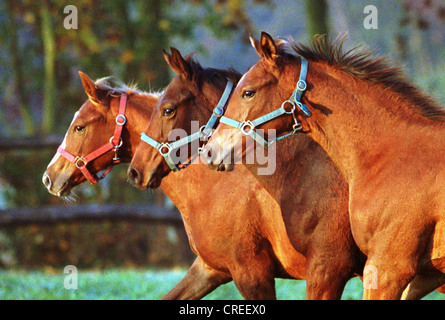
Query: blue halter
247, 127
166, 148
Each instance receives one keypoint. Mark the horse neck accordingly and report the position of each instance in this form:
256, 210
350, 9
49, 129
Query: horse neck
138, 114
360, 123
291, 155
211, 96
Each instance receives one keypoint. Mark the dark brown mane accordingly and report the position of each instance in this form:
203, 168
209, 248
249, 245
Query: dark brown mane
363, 64
214, 76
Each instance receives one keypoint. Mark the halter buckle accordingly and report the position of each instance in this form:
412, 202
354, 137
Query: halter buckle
76, 162
218, 111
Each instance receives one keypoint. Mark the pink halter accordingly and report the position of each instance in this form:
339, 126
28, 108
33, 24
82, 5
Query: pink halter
114, 144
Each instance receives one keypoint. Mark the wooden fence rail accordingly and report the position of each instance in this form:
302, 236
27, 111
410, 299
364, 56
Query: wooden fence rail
91, 212
30, 143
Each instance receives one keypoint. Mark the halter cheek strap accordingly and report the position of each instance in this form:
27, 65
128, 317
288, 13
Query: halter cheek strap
247, 127
114, 143
165, 148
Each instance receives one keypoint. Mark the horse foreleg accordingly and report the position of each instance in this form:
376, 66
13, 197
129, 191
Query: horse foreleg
255, 278
422, 285
386, 281
199, 281
326, 281
394, 254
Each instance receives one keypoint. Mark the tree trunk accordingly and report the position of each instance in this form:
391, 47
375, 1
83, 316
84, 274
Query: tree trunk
49, 47
154, 40
25, 112
317, 17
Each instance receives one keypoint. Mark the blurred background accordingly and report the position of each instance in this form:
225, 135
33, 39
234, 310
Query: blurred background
39, 61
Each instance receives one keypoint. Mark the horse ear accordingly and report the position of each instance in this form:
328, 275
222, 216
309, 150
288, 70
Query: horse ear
268, 48
189, 56
256, 45
95, 95
178, 64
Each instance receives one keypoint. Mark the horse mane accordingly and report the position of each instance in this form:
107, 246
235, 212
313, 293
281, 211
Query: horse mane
362, 63
117, 88
218, 77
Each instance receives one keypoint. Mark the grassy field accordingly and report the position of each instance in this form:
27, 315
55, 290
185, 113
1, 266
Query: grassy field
136, 284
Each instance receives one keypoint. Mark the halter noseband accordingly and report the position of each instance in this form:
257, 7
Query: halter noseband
247, 127
114, 143
166, 148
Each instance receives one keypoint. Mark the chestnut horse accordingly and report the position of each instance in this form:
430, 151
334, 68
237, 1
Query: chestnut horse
314, 208
385, 136
230, 229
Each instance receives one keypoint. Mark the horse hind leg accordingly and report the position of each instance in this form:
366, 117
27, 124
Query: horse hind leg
441, 289
199, 281
433, 267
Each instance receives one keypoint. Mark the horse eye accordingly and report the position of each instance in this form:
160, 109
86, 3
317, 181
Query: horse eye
79, 129
248, 94
168, 112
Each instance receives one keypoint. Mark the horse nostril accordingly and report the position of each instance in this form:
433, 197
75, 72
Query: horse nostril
209, 153
133, 174
207, 156
46, 181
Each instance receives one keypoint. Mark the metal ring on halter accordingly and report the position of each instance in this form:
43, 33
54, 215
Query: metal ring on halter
120, 142
247, 124
76, 162
293, 106
165, 145
205, 134
301, 85
124, 119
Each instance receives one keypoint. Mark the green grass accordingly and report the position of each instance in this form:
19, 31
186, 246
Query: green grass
137, 284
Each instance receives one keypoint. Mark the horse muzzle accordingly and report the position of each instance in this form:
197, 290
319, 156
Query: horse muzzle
59, 187
217, 161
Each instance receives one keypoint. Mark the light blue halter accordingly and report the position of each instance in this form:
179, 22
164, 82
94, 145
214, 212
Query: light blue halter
247, 126
166, 148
